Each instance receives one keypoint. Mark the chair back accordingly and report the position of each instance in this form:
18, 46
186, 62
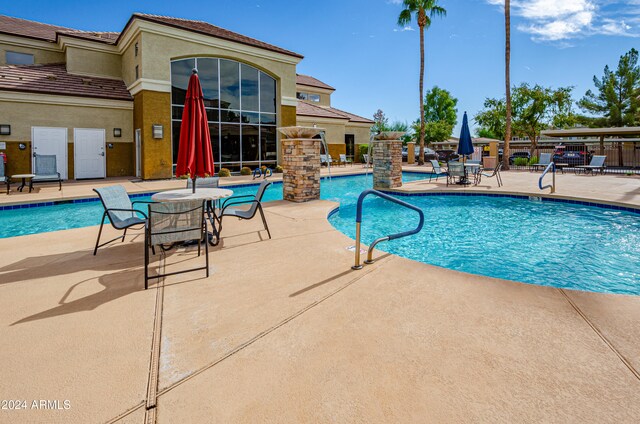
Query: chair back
172, 222
436, 166
343, 158
46, 165
115, 197
323, 159
208, 182
597, 160
545, 159
496, 170
455, 169
1, 168
263, 187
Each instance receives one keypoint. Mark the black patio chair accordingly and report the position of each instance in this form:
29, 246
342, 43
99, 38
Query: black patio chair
119, 208
249, 213
495, 173
174, 222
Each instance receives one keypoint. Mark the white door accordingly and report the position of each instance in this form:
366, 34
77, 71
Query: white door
50, 141
138, 153
89, 155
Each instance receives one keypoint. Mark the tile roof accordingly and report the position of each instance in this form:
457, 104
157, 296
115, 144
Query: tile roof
354, 118
54, 79
206, 28
307, 109
312, 82
103, 37
30, 29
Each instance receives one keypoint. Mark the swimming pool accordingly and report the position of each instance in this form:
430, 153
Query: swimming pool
549, 243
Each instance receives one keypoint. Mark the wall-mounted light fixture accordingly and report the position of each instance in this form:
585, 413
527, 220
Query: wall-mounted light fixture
117, 132
158, 131
110, 145
22, 146
5, 129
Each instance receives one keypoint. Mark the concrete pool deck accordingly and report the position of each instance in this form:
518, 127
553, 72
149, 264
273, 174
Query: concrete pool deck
284, 330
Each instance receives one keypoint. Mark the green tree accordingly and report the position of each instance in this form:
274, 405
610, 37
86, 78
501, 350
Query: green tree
403, 127
485, 133
381, 122
616, 102
424, 11
535, 108
492, 119
440, 115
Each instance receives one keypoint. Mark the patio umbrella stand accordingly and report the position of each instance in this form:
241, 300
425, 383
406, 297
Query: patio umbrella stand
465, 144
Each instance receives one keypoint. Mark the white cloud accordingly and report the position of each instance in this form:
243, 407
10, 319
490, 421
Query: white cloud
562, 20
407, 28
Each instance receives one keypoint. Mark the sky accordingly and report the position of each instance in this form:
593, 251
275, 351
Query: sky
357, 47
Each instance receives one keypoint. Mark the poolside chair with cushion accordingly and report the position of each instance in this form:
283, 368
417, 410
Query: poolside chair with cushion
229, 207
596, 164
455, 170
3, 178
545, 160
437, 170
174, 222
119, 208
324, 160
46, 170
494, 173
344, 161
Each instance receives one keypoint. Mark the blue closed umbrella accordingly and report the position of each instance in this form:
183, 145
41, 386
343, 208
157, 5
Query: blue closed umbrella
465, 145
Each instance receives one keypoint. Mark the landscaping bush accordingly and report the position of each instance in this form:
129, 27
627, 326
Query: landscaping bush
224, 172
533, 160
520, 161
245, 170
278, 170
363, 150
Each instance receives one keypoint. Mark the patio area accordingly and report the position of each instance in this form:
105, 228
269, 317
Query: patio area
284, 331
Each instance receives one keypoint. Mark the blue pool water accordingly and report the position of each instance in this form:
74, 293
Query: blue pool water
548, 243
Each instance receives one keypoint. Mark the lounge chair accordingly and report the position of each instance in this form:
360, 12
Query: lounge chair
596, 164
3, 178
256, 205
455, 170
437, 170
119, 208
344, 161
495, 173
545, 160
174, 222
324, 160
46, 170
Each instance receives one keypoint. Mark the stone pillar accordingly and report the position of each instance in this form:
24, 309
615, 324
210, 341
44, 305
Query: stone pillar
387, 164
411, 157
301, 169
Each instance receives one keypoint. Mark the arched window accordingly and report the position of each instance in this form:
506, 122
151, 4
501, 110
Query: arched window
241, 110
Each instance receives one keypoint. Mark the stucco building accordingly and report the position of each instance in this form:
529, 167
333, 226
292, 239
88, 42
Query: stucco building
110, 103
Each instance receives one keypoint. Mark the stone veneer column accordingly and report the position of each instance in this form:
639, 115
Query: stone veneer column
387, 164
301, 163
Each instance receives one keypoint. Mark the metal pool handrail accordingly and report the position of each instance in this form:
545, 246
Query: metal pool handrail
386, 238
552, 186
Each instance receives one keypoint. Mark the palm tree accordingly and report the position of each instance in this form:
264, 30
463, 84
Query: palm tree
424, 11
507, 70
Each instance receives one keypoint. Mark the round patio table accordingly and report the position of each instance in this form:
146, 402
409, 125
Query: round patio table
24, 177
468, 166
210, 194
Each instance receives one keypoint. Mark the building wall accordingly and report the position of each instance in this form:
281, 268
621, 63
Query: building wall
153, 107
129, 61
89, 62
159, 50
22, 116
40, 56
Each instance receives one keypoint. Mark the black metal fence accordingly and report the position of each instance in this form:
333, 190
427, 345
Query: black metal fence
622, 158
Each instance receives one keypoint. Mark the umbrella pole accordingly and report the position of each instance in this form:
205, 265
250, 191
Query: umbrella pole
193, 186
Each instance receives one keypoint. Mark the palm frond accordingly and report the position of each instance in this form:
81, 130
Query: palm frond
438, 11
404, 18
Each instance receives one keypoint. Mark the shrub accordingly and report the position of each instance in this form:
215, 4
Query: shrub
278, 170
533, 160
224, 172
520, 161
363, 149
245, 170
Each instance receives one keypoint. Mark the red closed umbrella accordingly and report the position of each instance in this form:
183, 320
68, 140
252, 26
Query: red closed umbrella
195, 158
